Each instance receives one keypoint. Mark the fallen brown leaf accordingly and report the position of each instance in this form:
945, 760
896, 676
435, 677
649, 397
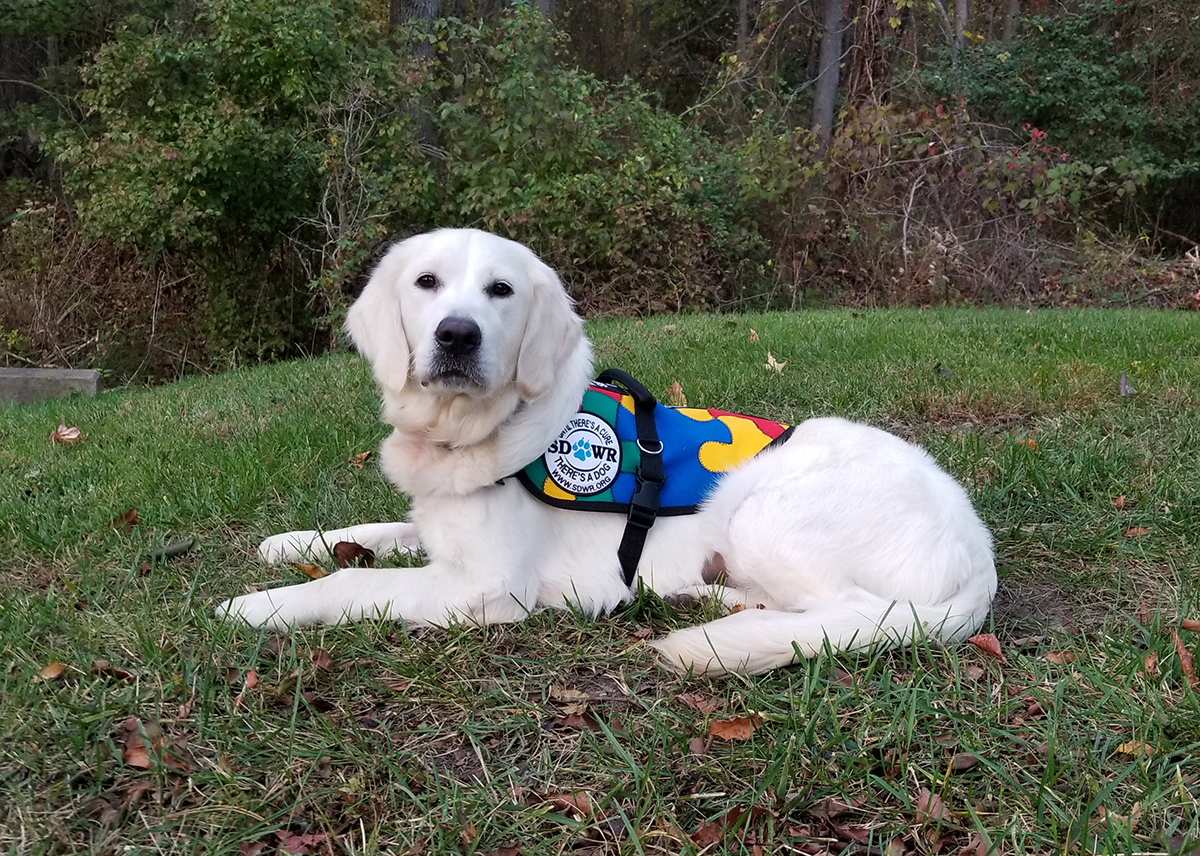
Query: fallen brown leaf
1061, 658
1150, 664
697, 746
1190, 624
738, 728
126, 520
1185, 662
347, 554
321, 659
930, 807
1119, 502
700, 702
576, 722
310, 571
301, 845
774, 364
988, 644
963, 761
51, 672
753, 335
675, 396
577, 804
67, 436
1136, 749
101, 667
1136, 531
358, 460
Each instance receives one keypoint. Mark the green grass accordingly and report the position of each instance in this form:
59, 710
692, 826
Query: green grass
372, 739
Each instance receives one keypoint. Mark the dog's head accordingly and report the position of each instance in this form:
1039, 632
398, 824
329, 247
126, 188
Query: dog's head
464, 312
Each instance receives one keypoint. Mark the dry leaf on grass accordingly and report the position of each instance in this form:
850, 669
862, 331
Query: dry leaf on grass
50, 672
358, 460
1136, 749
1061, 658
700, 702
576, 722
1136, 531
126, 520
1150, 664
988, 644
675, 396
963, 761
738, 728
1185, 662
102, 667
753, 335
67, 436
311, 571
930, 807
321, 659
1190, 624
1119, 502
773, 364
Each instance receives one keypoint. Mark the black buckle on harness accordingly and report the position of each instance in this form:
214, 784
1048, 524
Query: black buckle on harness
643, 508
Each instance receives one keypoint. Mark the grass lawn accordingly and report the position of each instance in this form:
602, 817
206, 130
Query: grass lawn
133, 722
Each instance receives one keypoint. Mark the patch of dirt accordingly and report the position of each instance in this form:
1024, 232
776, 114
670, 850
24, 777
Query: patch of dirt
1023, 607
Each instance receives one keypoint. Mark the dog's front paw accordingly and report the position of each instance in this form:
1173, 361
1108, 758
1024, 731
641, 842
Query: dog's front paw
288, 546
259, 609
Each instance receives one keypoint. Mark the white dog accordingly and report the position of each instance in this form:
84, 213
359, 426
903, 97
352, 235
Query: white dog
841, 533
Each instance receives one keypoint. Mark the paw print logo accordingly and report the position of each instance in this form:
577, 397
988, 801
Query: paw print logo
582, 450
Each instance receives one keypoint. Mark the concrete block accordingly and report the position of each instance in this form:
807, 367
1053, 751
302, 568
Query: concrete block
27, 385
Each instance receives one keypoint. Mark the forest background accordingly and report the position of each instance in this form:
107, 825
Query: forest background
193, 184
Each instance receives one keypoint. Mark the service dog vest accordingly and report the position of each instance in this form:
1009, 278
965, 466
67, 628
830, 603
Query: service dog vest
593, 465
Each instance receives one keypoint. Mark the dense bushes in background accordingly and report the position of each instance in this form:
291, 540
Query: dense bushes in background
222, 169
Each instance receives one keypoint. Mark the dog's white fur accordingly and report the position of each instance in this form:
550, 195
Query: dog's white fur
843, 533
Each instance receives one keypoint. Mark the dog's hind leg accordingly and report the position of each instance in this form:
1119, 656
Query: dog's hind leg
380, 538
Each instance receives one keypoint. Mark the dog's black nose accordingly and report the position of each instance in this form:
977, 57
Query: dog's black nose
458, 336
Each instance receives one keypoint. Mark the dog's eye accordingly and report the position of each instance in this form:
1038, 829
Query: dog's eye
499, 288
427, 281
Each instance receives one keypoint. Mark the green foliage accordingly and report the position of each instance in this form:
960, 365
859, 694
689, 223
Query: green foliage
205, 143
1107, 80
606, 186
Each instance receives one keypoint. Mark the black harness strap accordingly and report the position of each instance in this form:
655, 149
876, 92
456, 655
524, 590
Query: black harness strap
643, 508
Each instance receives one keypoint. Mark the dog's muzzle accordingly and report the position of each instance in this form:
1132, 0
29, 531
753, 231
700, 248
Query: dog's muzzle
456, 353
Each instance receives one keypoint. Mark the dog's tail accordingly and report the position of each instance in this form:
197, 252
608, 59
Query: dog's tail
757, 640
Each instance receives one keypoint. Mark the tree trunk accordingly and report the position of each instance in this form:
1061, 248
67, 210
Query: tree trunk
962, 16
402, 12
825, 91
743, 27
1010, 21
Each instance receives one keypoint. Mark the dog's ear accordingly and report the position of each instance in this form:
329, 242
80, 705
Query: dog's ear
375, 325
552, 332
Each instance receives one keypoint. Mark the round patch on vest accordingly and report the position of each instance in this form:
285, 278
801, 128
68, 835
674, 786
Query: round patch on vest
586, 457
